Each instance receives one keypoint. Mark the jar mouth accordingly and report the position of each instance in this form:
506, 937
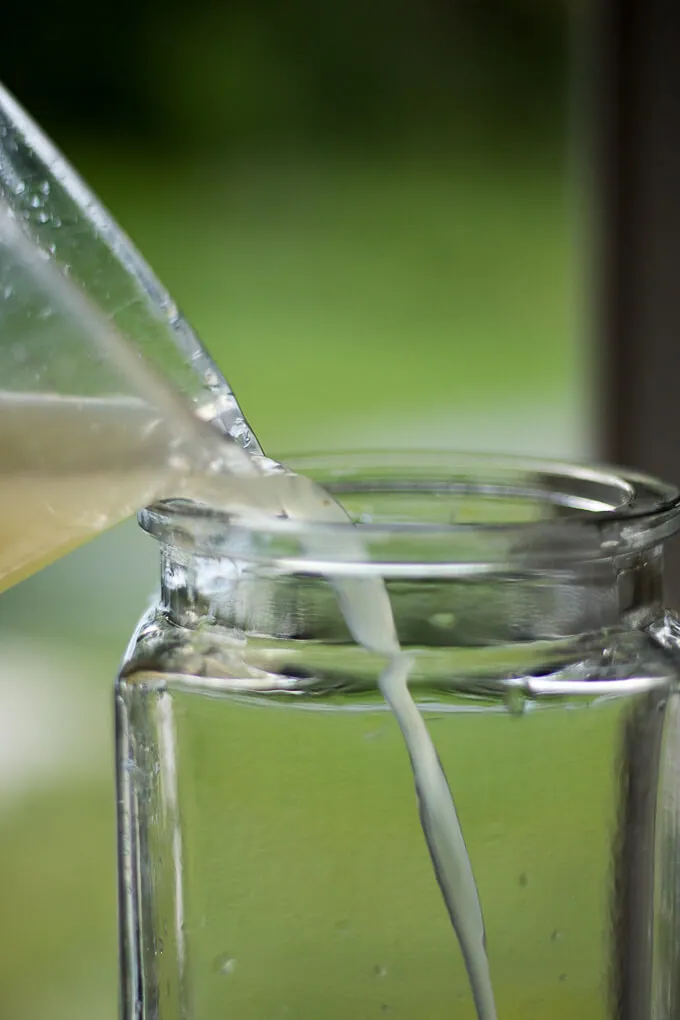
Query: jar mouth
455, 512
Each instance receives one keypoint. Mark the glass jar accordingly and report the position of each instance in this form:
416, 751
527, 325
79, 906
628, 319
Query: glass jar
272, 861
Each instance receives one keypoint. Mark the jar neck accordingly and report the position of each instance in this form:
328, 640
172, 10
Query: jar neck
474, 552
257, 598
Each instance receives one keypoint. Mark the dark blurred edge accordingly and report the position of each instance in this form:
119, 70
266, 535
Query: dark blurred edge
635, 93
260, 76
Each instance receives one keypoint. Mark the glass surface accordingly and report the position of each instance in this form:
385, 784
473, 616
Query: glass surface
105, 390
82, 314
272, 860
306, 888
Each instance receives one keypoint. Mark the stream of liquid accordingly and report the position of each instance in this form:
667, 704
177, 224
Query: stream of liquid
72, 467
367, 611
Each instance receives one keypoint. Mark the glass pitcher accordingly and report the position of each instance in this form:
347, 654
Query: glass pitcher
272, 864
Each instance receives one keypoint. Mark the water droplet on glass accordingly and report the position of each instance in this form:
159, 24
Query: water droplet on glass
523, 880
19, 188
224, 964
342, 928
563, 977
172, 313
43, 217
36, 202
380, 970
45, 187
555, 935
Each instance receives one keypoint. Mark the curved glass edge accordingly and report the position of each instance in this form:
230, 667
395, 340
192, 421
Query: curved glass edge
584, 513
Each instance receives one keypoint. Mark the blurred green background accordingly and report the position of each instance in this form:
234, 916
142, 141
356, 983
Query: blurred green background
371, 213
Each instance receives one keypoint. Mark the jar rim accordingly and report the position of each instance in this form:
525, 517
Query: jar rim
505, 510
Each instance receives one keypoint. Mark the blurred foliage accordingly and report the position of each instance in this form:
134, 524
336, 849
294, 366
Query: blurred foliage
258, 73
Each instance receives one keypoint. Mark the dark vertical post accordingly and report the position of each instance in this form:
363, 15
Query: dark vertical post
635, 107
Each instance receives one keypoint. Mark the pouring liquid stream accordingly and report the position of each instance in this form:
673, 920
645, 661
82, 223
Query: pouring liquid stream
73, 464
108, 458
367, 610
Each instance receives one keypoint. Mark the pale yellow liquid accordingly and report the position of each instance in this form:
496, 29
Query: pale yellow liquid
73, 467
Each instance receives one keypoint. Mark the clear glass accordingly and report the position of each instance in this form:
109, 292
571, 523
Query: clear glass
272, 863
69, 277
105, 388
